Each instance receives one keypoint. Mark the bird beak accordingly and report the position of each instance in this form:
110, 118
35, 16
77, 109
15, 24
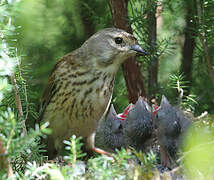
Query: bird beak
139, 50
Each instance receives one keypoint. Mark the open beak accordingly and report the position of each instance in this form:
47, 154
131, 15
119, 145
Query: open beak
139, 50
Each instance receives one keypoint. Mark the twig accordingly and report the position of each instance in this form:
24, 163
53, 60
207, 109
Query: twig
181, 93
18, 102
23, 84
202, 115
17, 97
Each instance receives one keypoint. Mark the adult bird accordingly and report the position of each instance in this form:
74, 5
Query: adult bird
80, 86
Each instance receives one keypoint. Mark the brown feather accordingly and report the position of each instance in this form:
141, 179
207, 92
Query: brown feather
80, 87
50, 88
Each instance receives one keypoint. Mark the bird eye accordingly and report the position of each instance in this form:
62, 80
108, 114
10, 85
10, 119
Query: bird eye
118, 40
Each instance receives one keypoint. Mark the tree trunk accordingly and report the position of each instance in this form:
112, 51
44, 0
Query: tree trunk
131, 69
152, 38
189, 44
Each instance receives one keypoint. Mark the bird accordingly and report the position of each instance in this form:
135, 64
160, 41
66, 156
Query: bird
109, 133
80, 86
133, 130
138, 125
171, 125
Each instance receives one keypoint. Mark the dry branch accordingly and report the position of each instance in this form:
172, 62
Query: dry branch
18, 102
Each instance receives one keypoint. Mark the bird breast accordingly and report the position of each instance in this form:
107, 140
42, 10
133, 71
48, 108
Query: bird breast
80, 102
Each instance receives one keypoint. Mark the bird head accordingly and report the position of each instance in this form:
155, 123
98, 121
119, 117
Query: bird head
113, 121
164, 109
168, 118
111, 46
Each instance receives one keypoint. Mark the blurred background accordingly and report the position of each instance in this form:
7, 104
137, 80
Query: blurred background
178, 35
46, 30
50, 29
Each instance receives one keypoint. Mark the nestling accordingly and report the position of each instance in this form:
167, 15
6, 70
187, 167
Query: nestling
135, 130
109, 133
139, 125
80, 86
171, 127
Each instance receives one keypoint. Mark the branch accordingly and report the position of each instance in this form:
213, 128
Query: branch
18, 102
180, 92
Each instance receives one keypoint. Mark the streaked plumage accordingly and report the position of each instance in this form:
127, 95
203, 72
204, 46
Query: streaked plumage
80, 87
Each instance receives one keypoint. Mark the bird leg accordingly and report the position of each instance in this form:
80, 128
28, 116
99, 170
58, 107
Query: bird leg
90, 145
100, 151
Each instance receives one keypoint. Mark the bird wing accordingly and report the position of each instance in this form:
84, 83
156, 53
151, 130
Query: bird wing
48, 93
50, 90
